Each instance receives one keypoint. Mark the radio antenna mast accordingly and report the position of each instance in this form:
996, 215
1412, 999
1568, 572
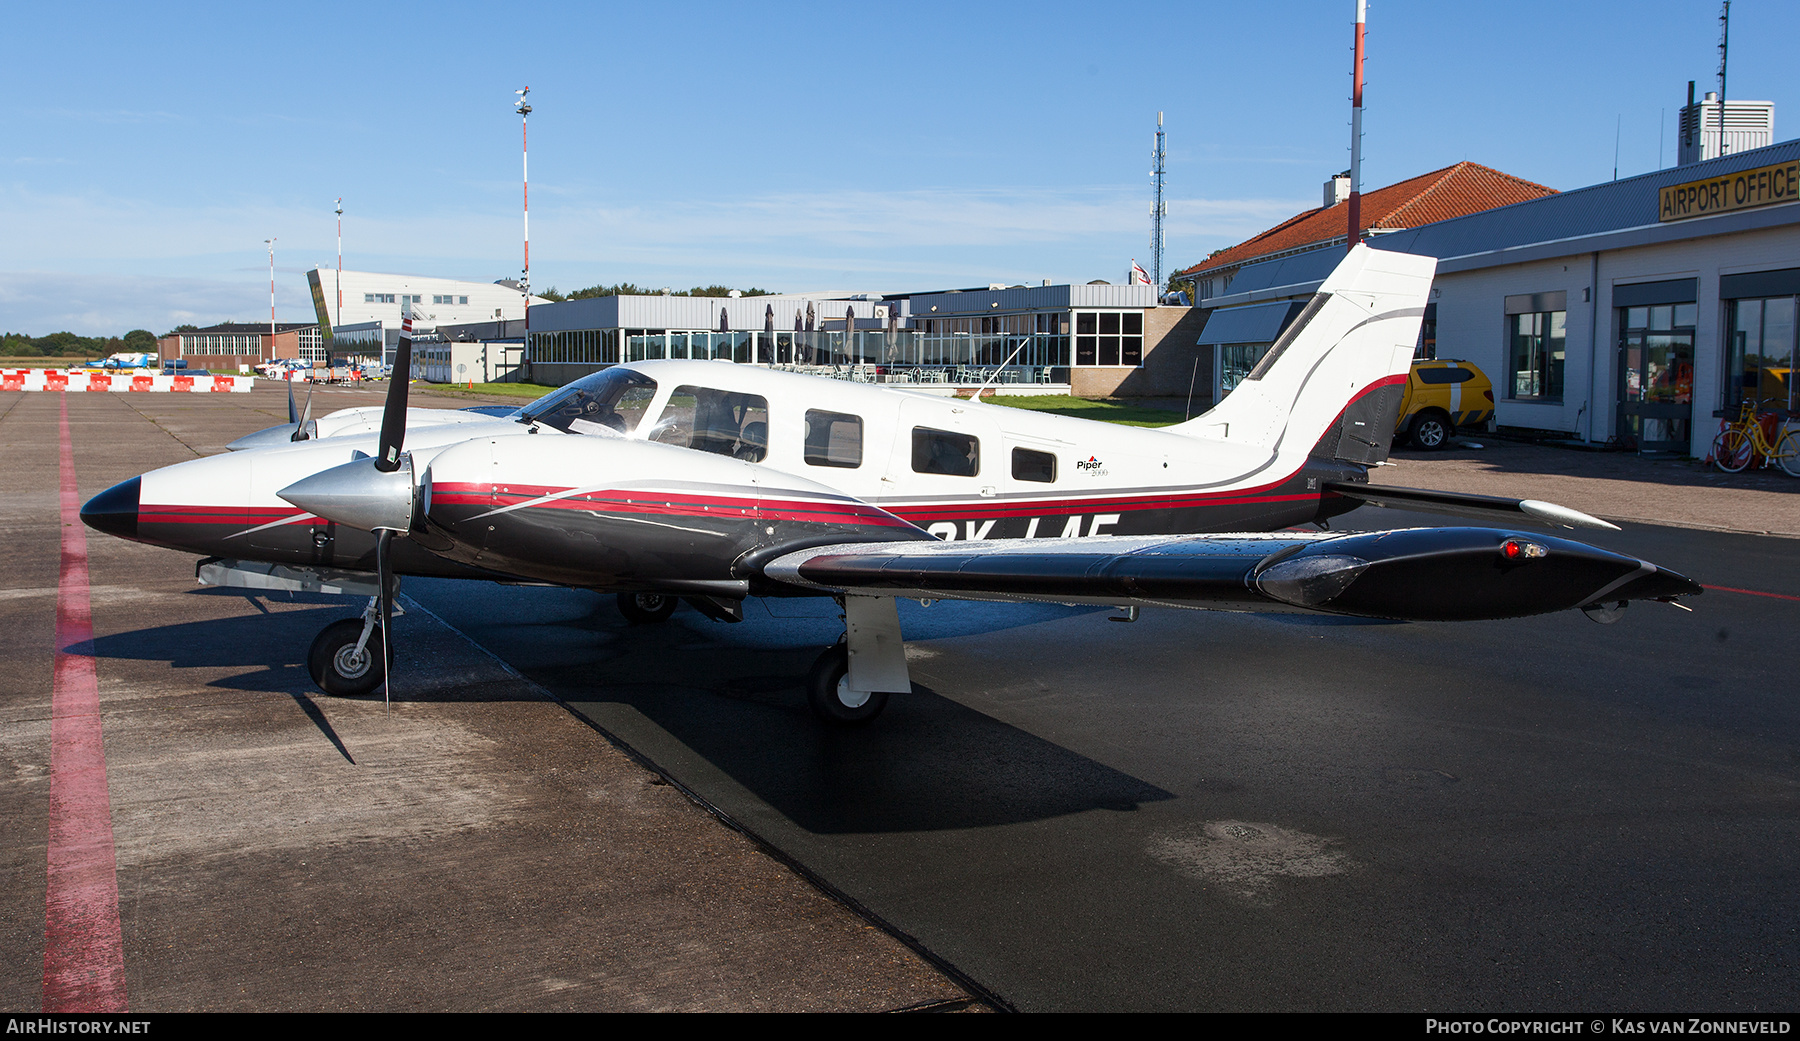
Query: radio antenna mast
1159, 209
1724, 41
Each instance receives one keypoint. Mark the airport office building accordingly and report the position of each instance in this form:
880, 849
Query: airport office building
1633, 312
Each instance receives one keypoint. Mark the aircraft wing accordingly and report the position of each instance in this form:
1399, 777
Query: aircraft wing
1416, 574
1464, 504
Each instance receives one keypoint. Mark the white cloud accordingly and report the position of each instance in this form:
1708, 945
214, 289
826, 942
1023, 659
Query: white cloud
107, 263
39, 303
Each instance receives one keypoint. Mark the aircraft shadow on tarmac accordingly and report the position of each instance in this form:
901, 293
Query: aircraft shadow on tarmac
430, 664
733, 696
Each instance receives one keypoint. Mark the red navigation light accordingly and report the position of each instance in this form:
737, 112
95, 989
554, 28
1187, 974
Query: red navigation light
1520, 549
1488, 394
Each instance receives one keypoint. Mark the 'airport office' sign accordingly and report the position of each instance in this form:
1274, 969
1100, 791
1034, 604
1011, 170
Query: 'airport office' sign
1746, 189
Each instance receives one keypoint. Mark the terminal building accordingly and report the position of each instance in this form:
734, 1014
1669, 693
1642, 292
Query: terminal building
1093, 339
1636, 312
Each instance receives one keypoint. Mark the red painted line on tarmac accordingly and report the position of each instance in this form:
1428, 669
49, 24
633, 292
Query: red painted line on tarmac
1749, 592
84, 958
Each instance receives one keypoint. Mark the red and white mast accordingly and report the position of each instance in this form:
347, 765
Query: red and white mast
340, 273
524, 109
271, 244
1356, 106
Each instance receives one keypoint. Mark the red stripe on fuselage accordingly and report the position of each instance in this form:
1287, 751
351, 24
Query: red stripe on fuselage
244, 515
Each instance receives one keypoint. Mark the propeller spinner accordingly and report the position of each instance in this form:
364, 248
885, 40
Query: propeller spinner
376, 495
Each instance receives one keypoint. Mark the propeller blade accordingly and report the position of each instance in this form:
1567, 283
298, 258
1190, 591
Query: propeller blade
393, 416
384, 570
306, 429
293, 417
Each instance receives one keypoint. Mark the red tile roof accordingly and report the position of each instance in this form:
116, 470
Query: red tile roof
1454, 191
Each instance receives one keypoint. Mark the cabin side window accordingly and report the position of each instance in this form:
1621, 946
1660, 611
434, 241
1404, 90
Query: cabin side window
945, 452
1028, 465
717, 421
833, 439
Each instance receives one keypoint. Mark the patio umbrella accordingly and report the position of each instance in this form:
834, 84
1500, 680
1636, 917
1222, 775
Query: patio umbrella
724, 321
850, 335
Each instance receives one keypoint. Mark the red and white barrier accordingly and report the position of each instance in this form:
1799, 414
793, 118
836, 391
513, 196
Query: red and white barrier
57, 379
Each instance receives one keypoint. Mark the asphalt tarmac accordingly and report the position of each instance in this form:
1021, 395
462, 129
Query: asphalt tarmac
1196, 811
475, 846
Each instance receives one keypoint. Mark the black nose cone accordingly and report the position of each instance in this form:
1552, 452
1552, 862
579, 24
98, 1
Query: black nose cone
115, 510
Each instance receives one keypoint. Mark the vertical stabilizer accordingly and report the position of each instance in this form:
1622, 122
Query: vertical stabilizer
1332, 381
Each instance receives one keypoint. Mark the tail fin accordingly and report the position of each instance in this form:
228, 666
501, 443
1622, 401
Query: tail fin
1331, 384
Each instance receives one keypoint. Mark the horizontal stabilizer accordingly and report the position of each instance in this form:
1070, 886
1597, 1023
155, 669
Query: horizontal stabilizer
1414, 574
1461, 504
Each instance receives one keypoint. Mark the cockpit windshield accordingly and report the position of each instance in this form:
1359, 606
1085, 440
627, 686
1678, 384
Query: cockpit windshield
608, 402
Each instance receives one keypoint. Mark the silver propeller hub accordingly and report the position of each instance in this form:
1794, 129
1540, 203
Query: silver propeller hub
358, 495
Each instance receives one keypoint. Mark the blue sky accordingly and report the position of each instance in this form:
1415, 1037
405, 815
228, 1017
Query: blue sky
146, 151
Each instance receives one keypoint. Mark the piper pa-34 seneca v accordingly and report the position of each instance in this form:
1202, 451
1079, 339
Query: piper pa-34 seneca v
714, 482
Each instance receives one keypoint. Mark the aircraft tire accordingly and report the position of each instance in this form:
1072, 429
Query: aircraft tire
646, 608
829, 696
336, 669
1431, 431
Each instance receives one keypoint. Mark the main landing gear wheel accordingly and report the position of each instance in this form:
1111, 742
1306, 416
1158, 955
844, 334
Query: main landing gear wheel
1430, 431
338, 667
645, 608
828, 691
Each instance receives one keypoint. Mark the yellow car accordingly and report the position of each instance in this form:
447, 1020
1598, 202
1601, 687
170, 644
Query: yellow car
1441, 397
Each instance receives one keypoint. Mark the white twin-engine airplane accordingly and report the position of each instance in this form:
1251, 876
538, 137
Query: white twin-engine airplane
715, 482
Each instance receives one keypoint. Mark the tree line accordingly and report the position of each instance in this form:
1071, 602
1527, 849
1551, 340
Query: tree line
69, 345
629, 289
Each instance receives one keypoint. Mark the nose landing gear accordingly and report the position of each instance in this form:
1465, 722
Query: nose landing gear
345, 658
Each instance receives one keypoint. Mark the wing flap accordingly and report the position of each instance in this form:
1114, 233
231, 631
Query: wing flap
1463, 504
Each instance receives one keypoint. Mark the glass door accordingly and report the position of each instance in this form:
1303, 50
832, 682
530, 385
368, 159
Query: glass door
1656, 376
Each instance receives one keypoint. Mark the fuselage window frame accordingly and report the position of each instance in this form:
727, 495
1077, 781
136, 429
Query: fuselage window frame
1029, 464
945, 452
717, 422
825, 432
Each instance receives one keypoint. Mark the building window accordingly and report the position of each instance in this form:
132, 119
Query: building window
1536, 358
1109, 338
1235, 362
1761, 353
